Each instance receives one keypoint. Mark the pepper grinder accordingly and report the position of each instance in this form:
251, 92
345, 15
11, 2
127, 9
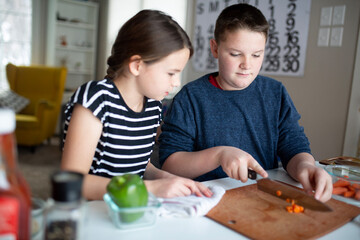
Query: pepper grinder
65, 217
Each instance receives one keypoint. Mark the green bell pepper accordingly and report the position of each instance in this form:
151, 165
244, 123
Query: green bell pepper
128, 191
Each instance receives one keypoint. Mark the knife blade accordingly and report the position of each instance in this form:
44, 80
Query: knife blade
287, 192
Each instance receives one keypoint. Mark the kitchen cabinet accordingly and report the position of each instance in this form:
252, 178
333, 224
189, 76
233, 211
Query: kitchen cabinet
72, 39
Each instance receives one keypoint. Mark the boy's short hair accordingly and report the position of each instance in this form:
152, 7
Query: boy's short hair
240, 16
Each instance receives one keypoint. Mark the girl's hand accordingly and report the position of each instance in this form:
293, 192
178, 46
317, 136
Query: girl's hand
235, 163
176, 187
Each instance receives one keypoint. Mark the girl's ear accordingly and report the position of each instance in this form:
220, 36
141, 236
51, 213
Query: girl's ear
134, 65
214, 48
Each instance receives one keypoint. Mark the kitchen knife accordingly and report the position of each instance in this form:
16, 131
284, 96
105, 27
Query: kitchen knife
287, 192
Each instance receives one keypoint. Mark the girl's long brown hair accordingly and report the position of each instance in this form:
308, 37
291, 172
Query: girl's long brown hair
152, 35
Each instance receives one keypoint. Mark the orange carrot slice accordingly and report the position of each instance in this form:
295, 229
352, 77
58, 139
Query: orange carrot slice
357, 195
351, 188
339, 190
349, 194
341, 183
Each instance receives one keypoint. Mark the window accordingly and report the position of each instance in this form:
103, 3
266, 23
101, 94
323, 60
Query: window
15, 35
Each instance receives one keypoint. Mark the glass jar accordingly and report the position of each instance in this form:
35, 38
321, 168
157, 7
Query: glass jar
65, 217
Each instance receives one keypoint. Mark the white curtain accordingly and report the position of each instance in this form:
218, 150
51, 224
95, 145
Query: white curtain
15, 35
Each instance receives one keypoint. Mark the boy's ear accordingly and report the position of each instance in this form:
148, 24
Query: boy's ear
134, 65
214, 48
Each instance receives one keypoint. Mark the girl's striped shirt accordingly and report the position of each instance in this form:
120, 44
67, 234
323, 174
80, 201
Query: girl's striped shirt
127, 138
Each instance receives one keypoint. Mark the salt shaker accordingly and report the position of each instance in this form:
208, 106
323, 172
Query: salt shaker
65, 217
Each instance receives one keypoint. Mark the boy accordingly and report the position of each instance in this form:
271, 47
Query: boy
226, 122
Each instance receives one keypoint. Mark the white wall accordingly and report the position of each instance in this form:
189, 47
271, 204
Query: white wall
352, 135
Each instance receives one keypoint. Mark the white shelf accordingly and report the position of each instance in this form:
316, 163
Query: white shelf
83, 3
76, 49
76, 25
72, 39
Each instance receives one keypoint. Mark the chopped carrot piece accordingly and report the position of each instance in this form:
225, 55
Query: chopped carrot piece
351, 188
294, 208
357, 195
356, 185
339, 190
278, 193
346, 176
289, 209
349, 194
341, 183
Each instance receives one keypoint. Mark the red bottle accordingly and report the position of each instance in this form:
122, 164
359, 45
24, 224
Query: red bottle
15, 200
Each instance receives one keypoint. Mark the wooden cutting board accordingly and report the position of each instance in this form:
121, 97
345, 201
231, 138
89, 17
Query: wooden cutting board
259, 215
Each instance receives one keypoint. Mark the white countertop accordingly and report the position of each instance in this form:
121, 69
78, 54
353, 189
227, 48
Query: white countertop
99, 225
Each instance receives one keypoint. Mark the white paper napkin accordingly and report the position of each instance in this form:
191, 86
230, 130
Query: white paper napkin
190, 206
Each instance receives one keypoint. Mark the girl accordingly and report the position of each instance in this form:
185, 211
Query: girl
111, 124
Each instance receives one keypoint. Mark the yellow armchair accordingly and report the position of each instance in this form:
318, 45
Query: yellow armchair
44, 87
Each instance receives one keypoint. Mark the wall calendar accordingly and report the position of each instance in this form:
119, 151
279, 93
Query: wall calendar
287, 39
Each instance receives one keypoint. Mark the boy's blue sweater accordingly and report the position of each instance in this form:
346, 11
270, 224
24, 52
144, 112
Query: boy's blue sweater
261, 120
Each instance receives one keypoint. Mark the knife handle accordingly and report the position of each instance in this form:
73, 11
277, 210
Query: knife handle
252, 174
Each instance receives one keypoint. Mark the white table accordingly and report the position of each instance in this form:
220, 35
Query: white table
99, 225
